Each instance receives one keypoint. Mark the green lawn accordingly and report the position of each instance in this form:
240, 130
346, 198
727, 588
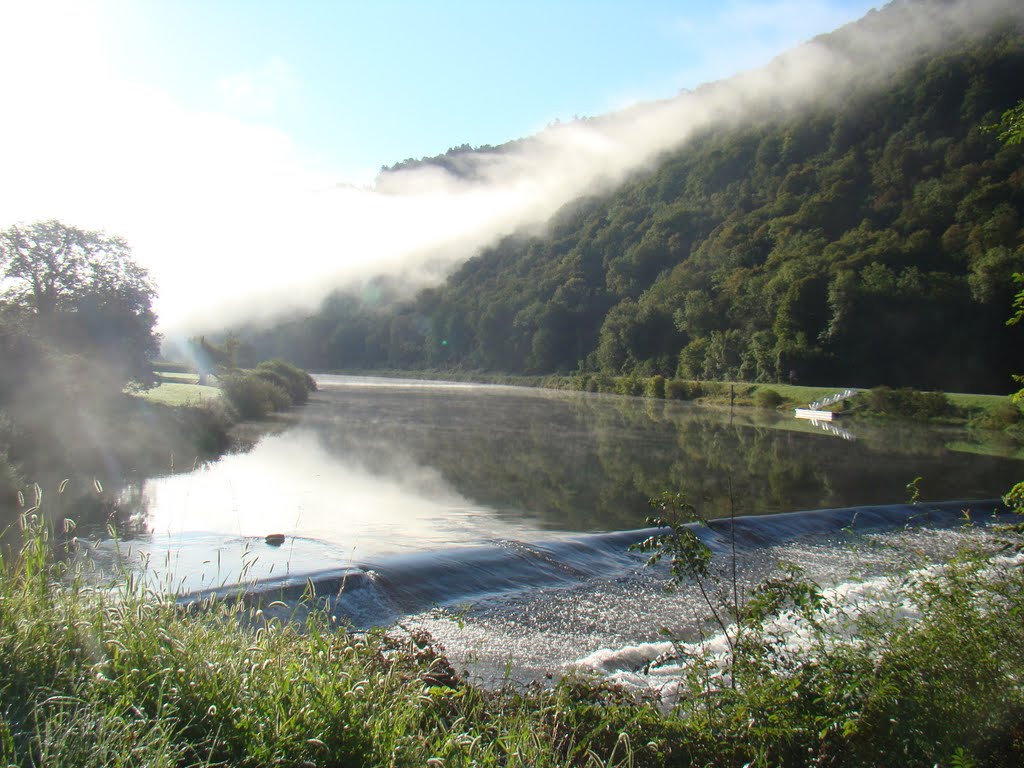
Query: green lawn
971, 402
798, 395
180, 393
181, 377
794, 392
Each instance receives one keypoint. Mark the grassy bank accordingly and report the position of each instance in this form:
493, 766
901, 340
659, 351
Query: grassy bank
97, 435
993, 412
106, 675
176, 389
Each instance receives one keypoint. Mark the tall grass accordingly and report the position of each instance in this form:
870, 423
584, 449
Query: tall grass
105, 673
108, 674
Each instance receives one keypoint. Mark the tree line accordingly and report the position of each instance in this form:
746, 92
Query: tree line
868, 238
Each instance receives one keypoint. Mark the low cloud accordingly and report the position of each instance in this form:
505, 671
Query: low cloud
235, 222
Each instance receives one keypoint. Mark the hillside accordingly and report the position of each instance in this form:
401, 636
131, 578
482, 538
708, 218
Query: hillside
866, 237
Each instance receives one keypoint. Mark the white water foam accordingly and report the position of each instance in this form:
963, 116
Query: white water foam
613, 628
660, 667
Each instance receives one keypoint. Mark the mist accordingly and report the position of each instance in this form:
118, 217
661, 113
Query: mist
236, 224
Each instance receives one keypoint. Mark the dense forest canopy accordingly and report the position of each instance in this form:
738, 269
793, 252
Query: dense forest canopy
866, 238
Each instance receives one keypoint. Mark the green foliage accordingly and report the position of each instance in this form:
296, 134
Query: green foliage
677, 389
1001, 416
82, 293
180, 393
113, 674
656, 387
867, 238
768, 398
908, 403
630, 384
210, 358
827, 686
273, 385
680, 389
120, 676
689, 557
253, 396
1010, 127
296, 381
273, 377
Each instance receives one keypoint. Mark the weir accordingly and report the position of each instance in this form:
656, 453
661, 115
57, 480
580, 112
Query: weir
379, 592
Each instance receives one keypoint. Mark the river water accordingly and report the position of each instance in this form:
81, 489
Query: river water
499, 518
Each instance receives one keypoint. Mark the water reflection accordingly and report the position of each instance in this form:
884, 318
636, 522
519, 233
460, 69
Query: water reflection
376, 467
293, 485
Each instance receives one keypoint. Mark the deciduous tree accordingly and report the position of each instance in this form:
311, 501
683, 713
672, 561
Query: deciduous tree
82, 292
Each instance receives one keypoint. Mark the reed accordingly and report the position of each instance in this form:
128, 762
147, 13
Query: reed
102, 671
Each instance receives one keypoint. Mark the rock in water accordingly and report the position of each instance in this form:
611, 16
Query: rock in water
275, 539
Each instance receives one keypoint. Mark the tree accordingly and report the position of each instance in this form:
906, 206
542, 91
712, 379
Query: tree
1011, 125
1011, 131
82, 293
209, 358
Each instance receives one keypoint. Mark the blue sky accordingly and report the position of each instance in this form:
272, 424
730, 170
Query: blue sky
234, 143
361, 84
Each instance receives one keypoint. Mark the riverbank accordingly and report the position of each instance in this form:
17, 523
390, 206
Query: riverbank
104, 439
93, 676
977, 411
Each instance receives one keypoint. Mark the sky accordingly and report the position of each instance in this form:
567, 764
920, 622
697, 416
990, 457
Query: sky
235, 143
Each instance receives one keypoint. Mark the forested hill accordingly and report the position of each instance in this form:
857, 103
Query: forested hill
866, 239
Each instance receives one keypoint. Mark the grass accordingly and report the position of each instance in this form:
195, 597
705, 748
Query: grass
978, 411
178, 388
180, 393
98, 674
107, 675
181, 377
969, 402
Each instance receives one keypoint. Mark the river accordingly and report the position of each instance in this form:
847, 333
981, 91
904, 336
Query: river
499, 518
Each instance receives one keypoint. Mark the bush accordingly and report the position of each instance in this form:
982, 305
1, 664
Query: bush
713, 388
680, 389
630, 385
768, 398
675, 389
656, 386
211, 424
908, 403
253, 397
278, 381
295, 381
1004, 414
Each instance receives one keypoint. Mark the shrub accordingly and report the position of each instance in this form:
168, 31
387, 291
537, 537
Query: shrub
908, 403
211, 424
768, 398
630, 385
675, 389
712, 388
680, 389
297, 383
1000, 416
656, 386
253, 397
278, 381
